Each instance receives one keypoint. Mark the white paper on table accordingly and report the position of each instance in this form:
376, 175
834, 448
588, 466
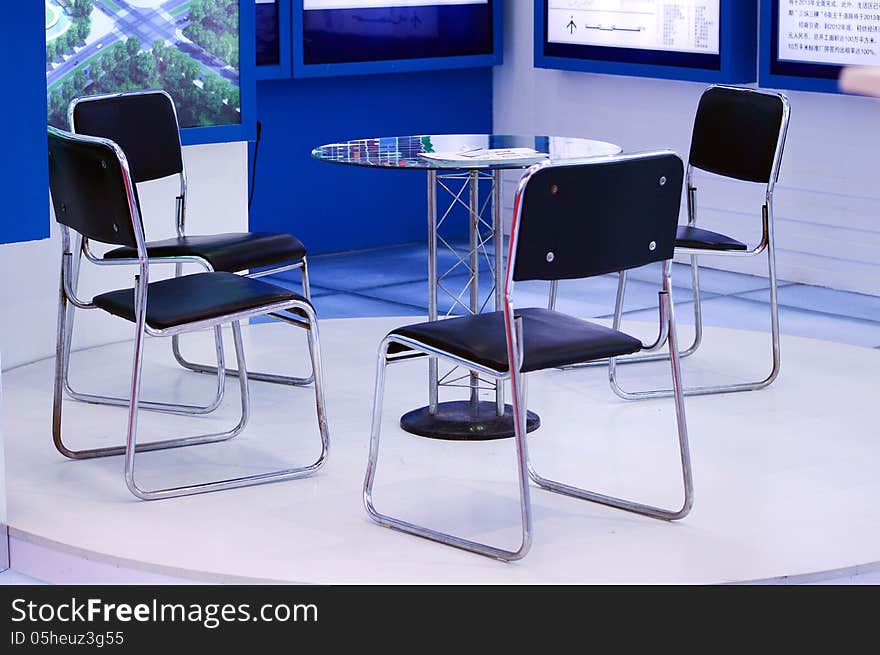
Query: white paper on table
487, 156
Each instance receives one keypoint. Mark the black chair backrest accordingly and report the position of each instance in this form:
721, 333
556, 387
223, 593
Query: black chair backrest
142, 123
587, 219
89, 192
736, 133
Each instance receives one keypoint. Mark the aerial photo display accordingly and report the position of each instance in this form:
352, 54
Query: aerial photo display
190, 48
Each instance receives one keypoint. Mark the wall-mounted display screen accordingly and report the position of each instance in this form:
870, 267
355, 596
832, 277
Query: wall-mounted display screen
362, 31
807, 42
273, 27
708, 40
268, 33
651, 31
190, 49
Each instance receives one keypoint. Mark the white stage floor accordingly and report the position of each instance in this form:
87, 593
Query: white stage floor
786, 482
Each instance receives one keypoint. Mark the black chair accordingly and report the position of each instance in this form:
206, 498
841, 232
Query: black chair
571, 220
144, 124
738, 134
94, 194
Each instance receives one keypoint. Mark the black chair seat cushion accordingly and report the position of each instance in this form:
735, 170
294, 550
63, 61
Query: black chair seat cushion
694, 237
231, 252
199, 297
550, 339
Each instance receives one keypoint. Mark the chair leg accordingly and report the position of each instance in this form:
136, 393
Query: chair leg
58, 398
428, 533
649, 354
253, 375
698, 308
155, 406
684, 449
306, 285
232, 483
774, 311
168, 408
727, 388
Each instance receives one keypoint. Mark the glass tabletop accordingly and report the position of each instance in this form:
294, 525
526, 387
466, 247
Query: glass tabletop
404, 152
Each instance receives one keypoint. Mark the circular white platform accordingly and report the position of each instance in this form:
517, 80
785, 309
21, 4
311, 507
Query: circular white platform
786, 478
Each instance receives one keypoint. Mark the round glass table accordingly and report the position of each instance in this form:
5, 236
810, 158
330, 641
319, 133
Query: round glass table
464, 171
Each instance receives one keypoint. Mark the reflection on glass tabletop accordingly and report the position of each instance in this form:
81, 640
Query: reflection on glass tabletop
460, 151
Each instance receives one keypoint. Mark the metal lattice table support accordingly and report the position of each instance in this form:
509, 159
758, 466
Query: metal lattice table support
461, 184
473, 419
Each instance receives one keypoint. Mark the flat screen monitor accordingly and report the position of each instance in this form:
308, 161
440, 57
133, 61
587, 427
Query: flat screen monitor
268, 33
273, 25
685, 39
809, 41
664, 32
383, 35
197, 51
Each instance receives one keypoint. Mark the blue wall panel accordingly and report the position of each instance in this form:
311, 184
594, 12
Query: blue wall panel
24, 169
331, 207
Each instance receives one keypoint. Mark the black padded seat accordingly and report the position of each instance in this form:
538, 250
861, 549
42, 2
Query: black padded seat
551, 339
199, 297
231, 252
695, 237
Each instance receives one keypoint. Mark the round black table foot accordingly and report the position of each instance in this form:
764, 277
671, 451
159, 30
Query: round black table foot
463, 421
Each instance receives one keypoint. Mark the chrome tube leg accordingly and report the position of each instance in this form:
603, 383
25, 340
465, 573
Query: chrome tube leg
320, 403
554, 292
769, 241
253, 375
498, 270
375, 432
117, 450
684, 451
137, 369
60, 363
618, 304
170, 408
520, 408
74, 271
691, 196
68, 347
132, 448
417, 530
680, 418
233, 483
271, 378
178, 271
307, 294
698, 308
616, 322
774, 297
304, 274
243, 379
474, 264
167, 408
178, 356
433, 368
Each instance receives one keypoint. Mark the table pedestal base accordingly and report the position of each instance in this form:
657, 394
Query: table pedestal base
463, 421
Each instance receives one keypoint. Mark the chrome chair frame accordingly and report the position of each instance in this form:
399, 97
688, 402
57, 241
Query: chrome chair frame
518, 381
767, 244
179, 262
67, 296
